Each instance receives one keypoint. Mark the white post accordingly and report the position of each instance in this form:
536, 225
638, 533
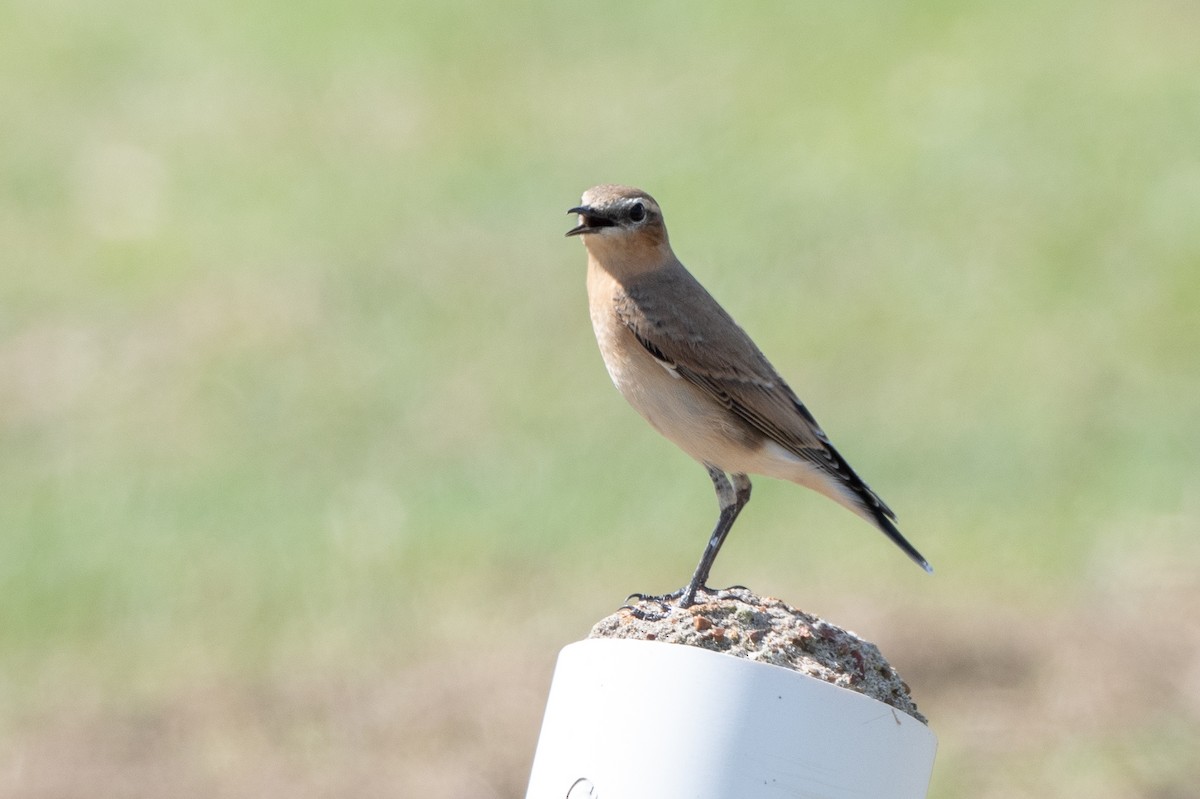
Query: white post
637, 719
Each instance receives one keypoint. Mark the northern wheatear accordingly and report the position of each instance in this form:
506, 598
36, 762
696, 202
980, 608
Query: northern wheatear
683, 363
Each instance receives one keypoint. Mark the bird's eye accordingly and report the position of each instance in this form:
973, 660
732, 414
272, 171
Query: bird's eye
637, 213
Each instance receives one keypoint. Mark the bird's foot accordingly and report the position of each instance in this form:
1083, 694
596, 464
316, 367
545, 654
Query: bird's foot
682, 598
642, 614
664, 601
691, 596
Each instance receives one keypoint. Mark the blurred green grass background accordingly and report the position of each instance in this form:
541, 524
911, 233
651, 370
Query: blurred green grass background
308, 463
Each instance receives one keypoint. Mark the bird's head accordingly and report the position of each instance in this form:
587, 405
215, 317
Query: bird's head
619, 217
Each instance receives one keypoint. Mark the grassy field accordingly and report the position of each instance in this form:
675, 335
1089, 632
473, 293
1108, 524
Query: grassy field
308, 464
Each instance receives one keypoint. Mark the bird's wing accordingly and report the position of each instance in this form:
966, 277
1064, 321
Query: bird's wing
694, 336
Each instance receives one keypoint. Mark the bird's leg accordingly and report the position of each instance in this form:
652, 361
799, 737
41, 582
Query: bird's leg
732, 497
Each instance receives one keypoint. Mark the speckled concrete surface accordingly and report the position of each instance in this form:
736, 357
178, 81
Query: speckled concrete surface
738, 622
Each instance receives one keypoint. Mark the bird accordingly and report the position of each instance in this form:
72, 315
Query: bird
694, 374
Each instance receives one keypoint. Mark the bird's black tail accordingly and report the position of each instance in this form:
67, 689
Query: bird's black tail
884, 522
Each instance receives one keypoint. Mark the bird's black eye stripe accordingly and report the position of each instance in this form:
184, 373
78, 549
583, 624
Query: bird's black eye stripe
637, 212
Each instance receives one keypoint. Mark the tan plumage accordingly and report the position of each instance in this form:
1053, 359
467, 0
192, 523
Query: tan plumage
693, 373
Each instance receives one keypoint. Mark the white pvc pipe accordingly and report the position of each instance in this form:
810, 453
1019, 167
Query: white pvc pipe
629, 719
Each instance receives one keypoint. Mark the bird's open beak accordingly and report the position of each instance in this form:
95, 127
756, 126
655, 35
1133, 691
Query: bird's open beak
589, 221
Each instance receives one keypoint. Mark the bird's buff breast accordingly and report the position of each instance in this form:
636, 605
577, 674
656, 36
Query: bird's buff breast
673, 406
